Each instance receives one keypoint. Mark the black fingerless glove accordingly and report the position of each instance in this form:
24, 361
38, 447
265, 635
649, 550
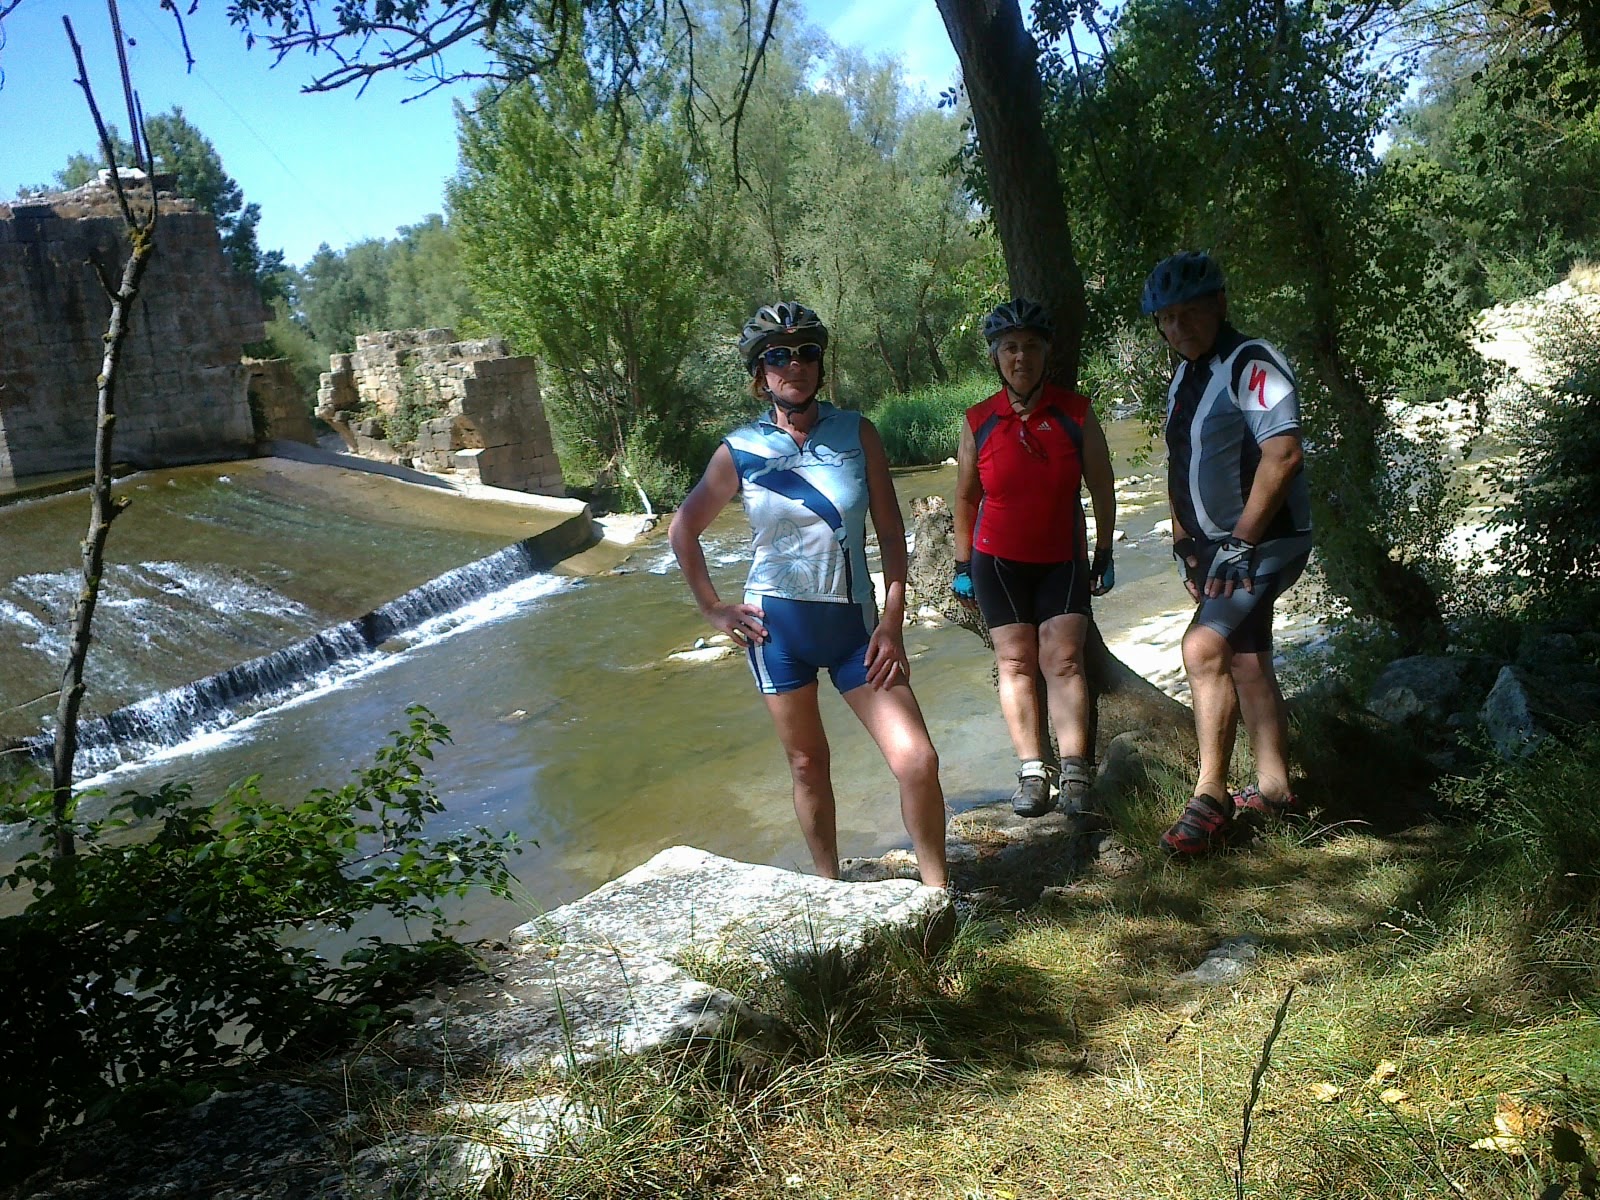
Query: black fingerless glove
1101, 568
1234, 562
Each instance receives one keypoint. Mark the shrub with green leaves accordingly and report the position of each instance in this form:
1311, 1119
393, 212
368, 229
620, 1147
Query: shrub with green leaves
181, 937
1128, 369
1551, 543
924, 426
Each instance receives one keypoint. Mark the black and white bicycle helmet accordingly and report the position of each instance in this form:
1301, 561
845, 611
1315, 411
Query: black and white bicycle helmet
777, 320
1185, 276
1017, 314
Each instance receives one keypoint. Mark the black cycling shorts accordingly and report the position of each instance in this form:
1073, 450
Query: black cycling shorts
1013, 593
1245, 618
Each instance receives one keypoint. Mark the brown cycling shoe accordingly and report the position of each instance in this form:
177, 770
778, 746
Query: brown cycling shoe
1076, 779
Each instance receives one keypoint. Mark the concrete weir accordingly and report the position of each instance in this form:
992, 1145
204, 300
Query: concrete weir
537, 536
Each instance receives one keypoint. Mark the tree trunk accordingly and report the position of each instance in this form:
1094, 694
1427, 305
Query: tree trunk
935, 363
1000, 68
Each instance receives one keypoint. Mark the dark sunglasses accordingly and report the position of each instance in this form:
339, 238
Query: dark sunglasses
781, 356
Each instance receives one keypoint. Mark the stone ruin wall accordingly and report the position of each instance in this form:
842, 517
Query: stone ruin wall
181, 391
278, 406
490, 428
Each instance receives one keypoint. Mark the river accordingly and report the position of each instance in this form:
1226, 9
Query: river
570, 725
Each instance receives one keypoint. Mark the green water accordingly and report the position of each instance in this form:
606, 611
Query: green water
570, 725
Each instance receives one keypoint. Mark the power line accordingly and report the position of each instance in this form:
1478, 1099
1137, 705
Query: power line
306, 190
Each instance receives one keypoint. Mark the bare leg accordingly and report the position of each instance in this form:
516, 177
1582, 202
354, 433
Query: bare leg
799, 724
1016, 653
1208, 660
1061, 642
1266, 720
895, 722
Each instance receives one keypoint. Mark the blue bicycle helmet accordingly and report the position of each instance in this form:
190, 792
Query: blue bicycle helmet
1017, 314
1185, 276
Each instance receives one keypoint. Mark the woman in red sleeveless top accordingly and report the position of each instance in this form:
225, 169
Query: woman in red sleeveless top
1022, 553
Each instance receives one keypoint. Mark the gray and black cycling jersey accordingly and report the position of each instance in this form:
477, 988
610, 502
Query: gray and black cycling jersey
1219, 411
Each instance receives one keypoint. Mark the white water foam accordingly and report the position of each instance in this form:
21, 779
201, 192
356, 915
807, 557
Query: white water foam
225, 727
217, 590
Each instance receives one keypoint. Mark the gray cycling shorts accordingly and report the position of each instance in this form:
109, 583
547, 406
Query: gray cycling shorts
1245, 618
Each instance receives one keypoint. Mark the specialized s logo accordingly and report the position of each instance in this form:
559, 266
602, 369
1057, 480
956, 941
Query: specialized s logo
1265, 386
1258, 385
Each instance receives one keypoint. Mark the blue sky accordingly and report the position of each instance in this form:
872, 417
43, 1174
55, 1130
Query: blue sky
331, 167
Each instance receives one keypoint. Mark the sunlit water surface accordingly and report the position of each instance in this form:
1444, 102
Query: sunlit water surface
570, 725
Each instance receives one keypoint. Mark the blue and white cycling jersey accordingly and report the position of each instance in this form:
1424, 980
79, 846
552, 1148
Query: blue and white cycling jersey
807, 507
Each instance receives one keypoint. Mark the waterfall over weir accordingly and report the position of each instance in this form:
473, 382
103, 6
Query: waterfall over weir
141, 729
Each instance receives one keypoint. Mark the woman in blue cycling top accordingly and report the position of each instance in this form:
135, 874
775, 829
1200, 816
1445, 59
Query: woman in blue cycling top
809, 475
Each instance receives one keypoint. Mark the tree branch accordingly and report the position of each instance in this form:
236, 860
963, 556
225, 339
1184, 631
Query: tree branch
104, 508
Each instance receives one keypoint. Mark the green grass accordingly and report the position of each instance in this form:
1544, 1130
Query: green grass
1057, 1052
924, 426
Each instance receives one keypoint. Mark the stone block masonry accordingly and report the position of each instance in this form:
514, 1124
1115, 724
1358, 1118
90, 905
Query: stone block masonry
181, 393
421, 397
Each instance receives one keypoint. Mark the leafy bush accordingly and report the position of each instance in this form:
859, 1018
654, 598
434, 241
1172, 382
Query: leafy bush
419, 403
159, 951
1128, 372
1551, 543
924, 426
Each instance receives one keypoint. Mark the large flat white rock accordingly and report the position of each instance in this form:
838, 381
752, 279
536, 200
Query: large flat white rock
560, 1006
685, 898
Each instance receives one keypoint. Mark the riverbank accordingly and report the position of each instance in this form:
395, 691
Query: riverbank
1398, 1003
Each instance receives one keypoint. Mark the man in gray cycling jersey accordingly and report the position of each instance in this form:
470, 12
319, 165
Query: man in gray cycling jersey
1241, 529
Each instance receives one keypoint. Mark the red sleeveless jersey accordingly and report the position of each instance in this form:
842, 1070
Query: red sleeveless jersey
1031, 470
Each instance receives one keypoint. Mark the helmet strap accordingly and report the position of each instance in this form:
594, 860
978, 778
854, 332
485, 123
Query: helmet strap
789, 407
1027, 401
1013, 395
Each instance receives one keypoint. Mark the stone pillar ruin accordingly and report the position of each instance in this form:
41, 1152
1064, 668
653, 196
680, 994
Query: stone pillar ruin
181, 391
277, 405
419, 397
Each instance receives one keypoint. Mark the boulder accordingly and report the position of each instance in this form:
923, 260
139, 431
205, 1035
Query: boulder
1225, 963
1428, 688
687, 899
1531, 703
422, 1167
543, 1006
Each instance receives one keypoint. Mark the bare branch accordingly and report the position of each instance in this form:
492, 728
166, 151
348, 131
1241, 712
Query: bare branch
171, 6
106, 147
746, 83
412, 44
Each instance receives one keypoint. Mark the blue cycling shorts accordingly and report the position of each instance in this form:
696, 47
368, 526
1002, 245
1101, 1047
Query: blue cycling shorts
804, 636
